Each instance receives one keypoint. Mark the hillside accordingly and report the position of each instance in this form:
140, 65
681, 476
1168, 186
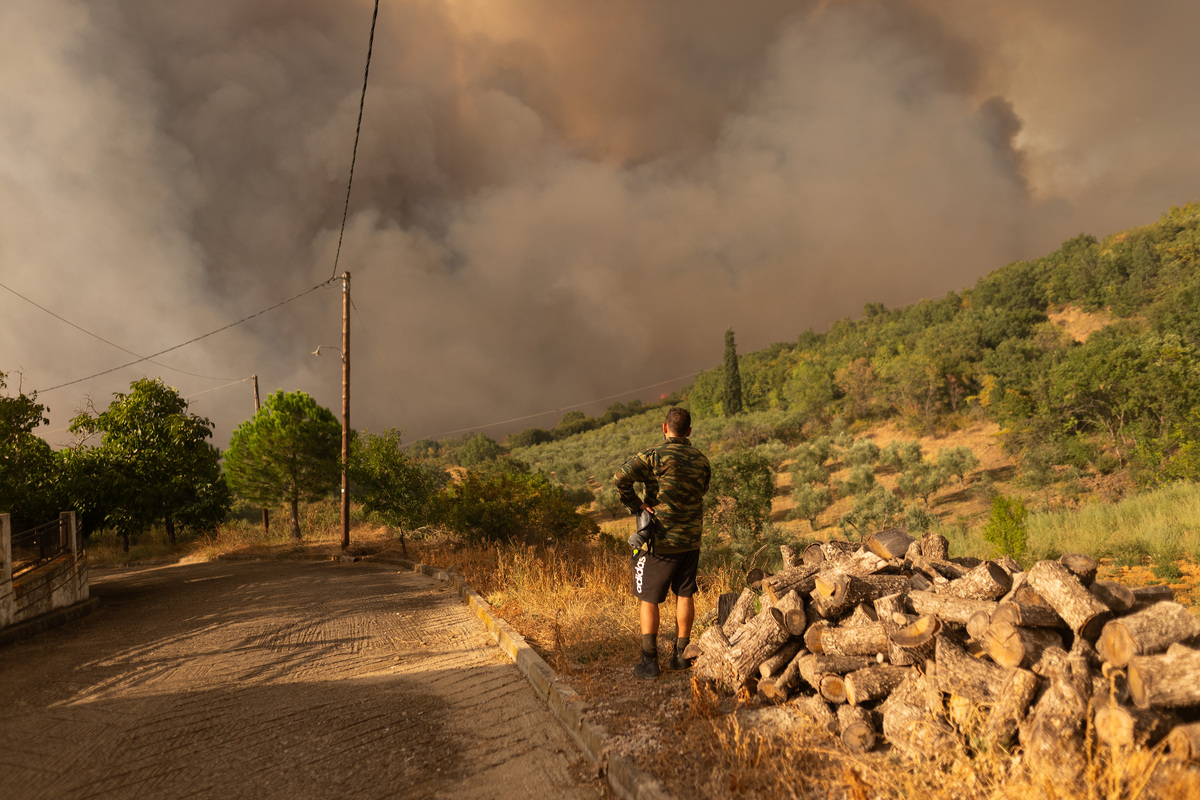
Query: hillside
1070, 378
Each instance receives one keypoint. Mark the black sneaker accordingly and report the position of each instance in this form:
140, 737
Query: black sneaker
647, 668
678, 663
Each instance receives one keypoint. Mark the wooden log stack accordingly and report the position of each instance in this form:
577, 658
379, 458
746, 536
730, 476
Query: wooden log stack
893, 642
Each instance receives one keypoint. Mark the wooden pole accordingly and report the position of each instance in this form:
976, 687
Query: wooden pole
345, 409
266, 516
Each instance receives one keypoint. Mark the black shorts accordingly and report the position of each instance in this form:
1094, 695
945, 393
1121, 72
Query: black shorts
654, 574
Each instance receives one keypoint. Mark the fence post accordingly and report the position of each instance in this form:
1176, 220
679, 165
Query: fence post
5, 550
67, 532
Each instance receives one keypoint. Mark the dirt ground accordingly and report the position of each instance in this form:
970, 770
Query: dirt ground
276, 679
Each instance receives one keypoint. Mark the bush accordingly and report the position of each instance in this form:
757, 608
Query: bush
740, 493
511, 506
1005, 529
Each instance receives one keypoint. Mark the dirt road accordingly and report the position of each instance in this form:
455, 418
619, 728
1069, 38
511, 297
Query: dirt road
276, 679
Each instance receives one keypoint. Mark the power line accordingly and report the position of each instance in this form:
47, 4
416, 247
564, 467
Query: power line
185, 397
557, 410
102, 339
362, 102
191, 341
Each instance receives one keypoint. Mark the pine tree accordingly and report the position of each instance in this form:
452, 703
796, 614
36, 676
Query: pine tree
731, 399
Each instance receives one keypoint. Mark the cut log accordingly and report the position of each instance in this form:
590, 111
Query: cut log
1010, 709
1052, 660
1028, 615
1009, 565
1075, 604
739, 613
1147, 632
890, 544
1113, 594
919, 583
779, 661
1153, 594
917, 641
856, 729
1082, 566
967, 563
1170, 680
988, 581
1022, 593
1052, 735
863, 640
813, 637
862, 615
839, 665
824, 553
1183, 742
874, 683
978, 624
710, 665
817, 711
797, 579
832, 688
960, 674
777, 689
949, 609
725, 604
1124, 726
914, 724
1011, 646
789, 556
935, 547
835, 593
758, 640
754, 578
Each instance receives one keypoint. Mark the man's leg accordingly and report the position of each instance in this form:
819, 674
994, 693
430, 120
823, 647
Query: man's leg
648, 666
649, 616
685, 612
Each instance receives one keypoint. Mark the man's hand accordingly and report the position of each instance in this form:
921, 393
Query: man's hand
647, 507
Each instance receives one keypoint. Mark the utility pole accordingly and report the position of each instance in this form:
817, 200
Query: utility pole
266, 517
345, 409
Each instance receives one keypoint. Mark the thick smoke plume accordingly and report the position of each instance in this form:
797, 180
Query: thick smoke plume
554, 200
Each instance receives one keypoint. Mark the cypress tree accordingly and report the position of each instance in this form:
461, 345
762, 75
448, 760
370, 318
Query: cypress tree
731, 398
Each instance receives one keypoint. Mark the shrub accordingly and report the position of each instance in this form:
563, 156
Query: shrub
740, 492
1005, 529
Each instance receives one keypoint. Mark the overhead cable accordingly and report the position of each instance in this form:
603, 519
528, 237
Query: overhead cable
362, 101
321, 285
106, 341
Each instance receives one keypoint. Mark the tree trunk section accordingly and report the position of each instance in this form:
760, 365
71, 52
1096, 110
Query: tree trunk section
1114, 594
1053, 733
1153, 594
856, 729
757, 641
777, 689
797, 579
779, 661
1122, 726
1027, 615
935, 547
864, 640
833, 689
972, 678
1010, 709
988, 581
1074, 603
949, 609
874, 683
739, 613
1183, 742
1171, 680
1082, 566
296, 519
890, 544
913, 724
916, 642
1012, 646
1147, 632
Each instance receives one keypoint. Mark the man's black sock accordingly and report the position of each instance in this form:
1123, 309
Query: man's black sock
681, 644
649, 645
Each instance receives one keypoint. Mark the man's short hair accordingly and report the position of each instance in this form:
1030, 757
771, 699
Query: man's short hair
679, 421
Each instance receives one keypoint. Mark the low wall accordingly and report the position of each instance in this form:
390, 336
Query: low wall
60, 583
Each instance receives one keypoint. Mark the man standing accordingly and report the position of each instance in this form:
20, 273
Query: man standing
675, 475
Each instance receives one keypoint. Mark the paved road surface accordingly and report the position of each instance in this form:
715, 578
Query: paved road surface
276, 679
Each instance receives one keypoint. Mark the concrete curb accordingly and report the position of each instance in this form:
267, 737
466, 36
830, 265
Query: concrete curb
61, 616
629, 782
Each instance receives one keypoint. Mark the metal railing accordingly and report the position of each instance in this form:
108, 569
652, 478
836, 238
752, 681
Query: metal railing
36, 546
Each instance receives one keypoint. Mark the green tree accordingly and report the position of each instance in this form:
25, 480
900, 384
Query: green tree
389, 482
731, 397
957, 461
810, 501
875, 510
745, 483
476, 448
863, 453
153, 463
28, 470
289, 452
921, 479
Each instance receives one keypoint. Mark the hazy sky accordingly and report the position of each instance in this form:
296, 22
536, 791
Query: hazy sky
555, 201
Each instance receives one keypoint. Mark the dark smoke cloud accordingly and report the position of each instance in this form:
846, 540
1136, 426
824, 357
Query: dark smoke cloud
555, 200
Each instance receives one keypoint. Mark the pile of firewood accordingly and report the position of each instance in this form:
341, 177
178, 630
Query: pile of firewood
894, 641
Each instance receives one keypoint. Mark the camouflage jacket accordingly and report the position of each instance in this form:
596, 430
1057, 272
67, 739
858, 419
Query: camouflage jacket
676, 477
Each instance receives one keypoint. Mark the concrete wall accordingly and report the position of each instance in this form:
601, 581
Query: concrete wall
60, 583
